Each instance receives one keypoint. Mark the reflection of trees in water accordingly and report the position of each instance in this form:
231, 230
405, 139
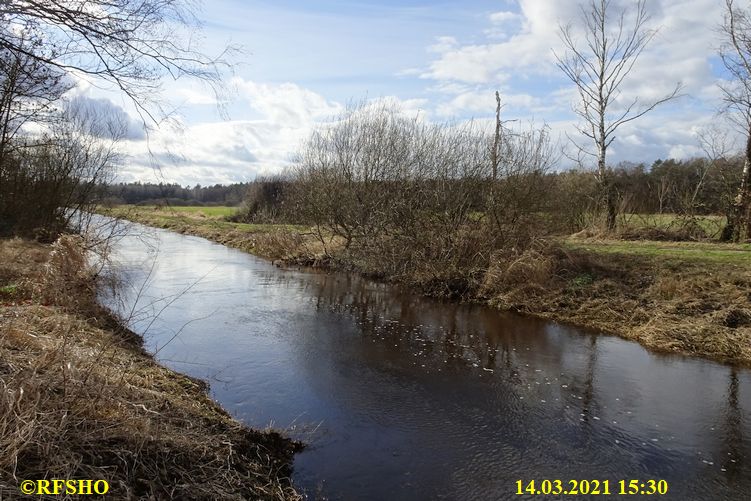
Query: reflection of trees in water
588, 393
454, 330
437, 330
444, 331
450, 344
733, 457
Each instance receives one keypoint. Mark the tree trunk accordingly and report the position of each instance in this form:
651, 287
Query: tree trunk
606, 188
739, 219
612, 210
497, 137
744, 207
495, 161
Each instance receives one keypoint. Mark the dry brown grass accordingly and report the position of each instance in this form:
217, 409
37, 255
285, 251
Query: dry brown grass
80, 399
278, 244
274, 242
693, 308
533, 268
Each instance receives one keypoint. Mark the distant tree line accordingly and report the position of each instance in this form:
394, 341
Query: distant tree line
685, 188
174, 194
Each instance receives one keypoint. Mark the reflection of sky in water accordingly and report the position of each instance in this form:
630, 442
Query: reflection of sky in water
401, 395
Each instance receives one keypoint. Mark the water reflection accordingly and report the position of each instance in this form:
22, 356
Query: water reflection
732, 451
419, 399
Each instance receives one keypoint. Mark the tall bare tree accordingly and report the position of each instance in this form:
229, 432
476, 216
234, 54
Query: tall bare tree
599, 66
736, 55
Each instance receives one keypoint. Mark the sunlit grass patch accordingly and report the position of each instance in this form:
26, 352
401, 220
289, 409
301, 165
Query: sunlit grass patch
710, 225
201, 211
177, 218
719, 253
222, 211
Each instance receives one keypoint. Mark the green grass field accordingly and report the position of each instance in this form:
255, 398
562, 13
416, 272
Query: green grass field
198, 217
717, 253
703, 251
218, 212
712, 225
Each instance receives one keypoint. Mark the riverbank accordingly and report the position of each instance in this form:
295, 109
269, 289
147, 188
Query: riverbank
689, 298
82, 399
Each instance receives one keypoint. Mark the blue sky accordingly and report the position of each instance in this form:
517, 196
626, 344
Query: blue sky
304, 61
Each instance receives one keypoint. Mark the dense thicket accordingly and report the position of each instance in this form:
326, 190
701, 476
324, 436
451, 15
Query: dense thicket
47, 178
686, 188
439, 205
404, 197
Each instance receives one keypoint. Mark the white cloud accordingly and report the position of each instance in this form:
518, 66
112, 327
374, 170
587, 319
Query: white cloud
408, 107
503, 17
528, 49
195, 96
238, 150
517, 57
483, 102
230, 151
109, 116
501, 24
443, 44
680, 51
285, 104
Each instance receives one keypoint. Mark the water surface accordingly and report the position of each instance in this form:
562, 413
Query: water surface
403, 397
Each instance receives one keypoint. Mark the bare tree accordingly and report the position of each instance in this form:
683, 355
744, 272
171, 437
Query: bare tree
736, 56
28, 90
494, 152
131, 44
599, 67
716, 145
664, 187
423, 202
56, 175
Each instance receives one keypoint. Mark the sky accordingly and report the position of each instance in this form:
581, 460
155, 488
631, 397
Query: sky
304, 61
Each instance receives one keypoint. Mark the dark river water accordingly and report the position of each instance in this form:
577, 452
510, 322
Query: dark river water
402, 397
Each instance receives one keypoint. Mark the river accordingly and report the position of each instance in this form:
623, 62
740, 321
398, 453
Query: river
404, 397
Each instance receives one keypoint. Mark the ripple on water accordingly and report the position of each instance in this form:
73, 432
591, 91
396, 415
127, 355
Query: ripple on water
452, 401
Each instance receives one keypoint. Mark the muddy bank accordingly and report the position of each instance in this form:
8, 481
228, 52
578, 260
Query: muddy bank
671, 303
81, 399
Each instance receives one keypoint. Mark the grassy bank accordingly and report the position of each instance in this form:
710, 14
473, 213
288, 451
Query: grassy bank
82, 400
689, 298
675, 297
290, 243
